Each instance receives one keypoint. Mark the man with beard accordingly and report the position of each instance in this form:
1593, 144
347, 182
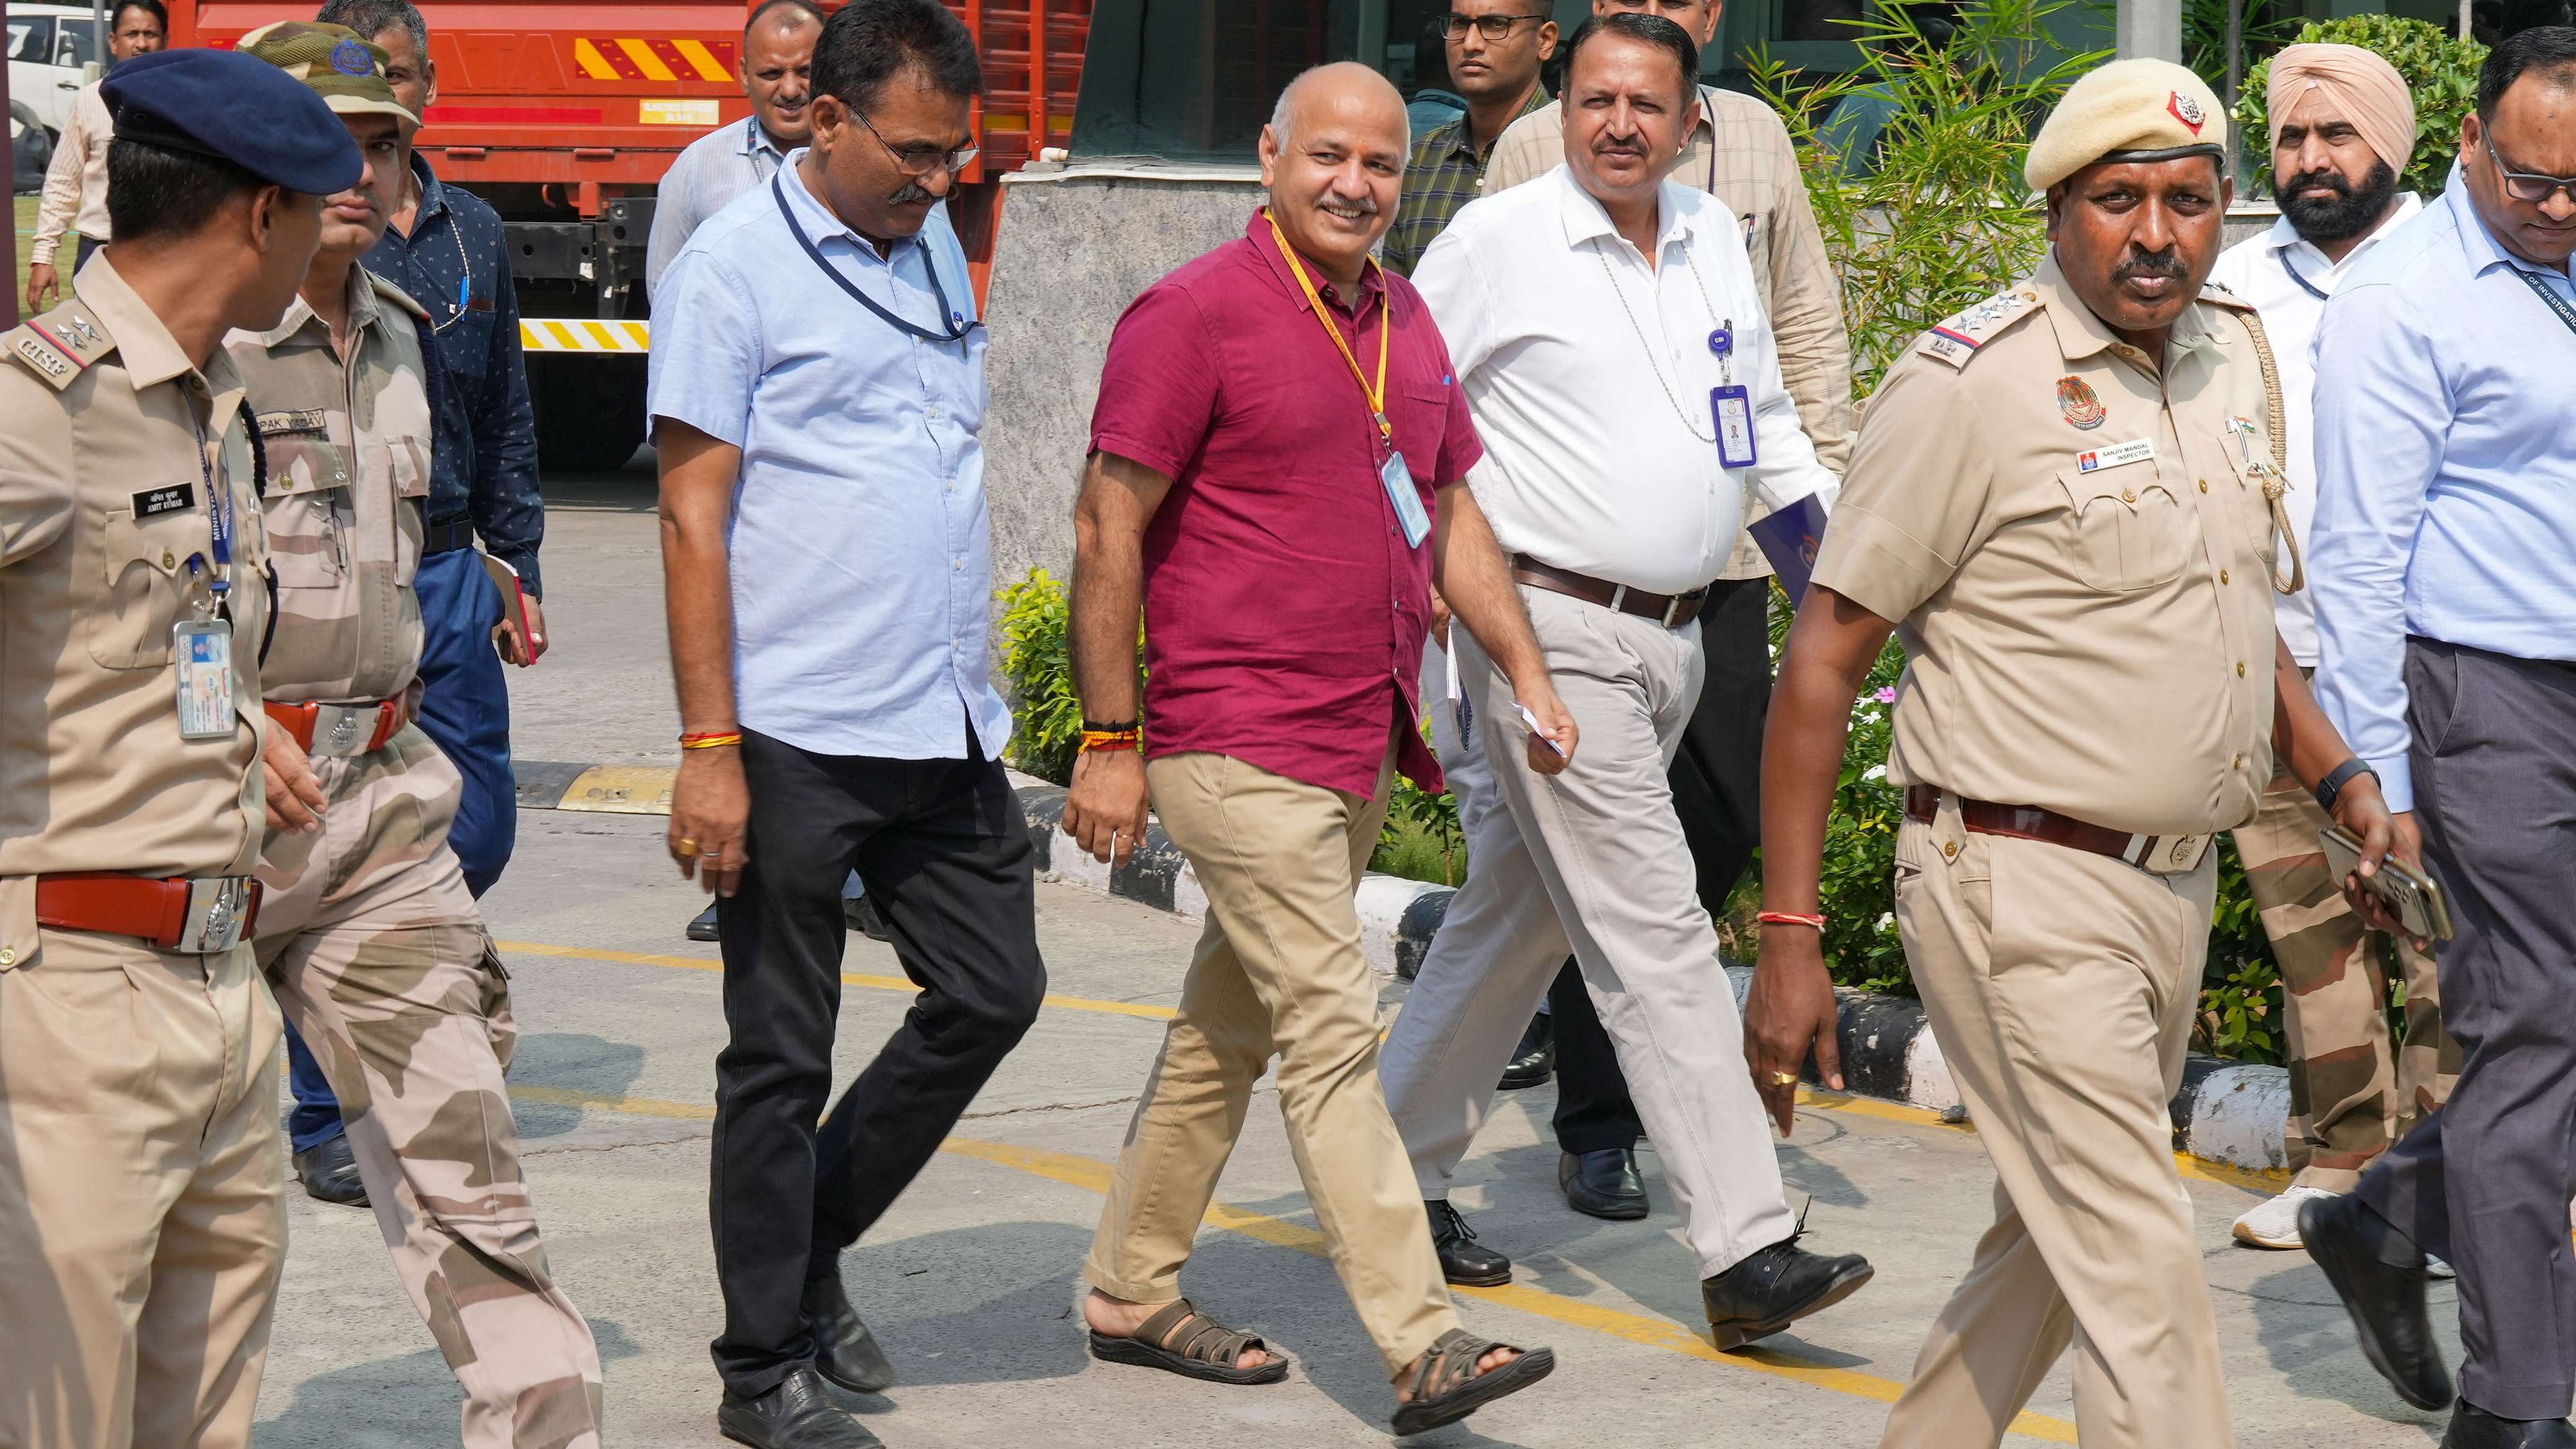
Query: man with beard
2343, 125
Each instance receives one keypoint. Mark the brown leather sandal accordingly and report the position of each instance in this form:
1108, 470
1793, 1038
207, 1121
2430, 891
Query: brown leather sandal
1446, 1387
1179, 1339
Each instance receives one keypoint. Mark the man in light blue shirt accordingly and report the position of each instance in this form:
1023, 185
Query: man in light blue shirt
777, 77
817, 387
2444, 567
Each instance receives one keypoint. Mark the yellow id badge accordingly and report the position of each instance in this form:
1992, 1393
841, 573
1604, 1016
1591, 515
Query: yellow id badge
204, 650
1406, 499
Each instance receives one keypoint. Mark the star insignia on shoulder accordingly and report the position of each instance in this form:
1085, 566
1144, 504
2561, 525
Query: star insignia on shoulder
1956, 338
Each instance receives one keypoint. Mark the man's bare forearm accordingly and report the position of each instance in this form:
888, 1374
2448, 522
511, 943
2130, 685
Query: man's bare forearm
1467, 567
1830, 650
698, 475
2304, 741
1118, 500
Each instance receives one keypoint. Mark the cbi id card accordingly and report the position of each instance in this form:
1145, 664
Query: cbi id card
1406, 499
1731, 407
204, 649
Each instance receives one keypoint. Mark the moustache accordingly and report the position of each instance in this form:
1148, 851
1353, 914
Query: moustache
912, 191
2331, 180
2158, 264
1364, 205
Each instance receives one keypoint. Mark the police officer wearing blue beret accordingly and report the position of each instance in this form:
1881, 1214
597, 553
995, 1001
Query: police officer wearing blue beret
142, 1226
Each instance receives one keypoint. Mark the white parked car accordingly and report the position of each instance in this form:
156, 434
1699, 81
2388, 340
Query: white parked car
48, 46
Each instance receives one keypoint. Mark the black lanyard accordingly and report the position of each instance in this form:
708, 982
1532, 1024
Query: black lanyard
2304, 284
930, 264
2557, 304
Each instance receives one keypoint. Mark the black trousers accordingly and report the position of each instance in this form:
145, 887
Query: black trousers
944, 850
2484, 1182
1717, 790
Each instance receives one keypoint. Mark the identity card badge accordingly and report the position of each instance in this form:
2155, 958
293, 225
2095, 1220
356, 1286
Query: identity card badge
1407, 500
204, 649
1538, 732
1732, 407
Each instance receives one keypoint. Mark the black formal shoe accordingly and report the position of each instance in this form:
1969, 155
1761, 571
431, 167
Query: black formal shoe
329, 1172
1463, 1260
1604, 1183
2475, 1428
1534, 1060
798, 1414
844, 1351
702, 926
2378, 1272
1776, 1287
860, 915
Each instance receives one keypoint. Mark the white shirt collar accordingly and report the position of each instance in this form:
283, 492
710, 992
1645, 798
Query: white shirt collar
1586, 219
2284, 237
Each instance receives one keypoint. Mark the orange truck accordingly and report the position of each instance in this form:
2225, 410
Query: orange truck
564, 115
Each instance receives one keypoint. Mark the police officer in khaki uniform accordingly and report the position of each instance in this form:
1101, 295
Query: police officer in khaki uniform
141, 1222
2064, 497
369, 933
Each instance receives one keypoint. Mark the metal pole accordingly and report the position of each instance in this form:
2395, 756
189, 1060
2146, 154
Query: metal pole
97, 64
2235, 52
2151, 28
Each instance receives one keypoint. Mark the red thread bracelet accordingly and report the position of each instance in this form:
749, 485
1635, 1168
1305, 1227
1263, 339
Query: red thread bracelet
1786, 918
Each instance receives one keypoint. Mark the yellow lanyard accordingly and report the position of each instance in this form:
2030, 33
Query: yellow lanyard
1376, 391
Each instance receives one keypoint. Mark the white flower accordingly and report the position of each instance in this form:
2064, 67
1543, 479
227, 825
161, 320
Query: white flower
1887, 920
1874, 772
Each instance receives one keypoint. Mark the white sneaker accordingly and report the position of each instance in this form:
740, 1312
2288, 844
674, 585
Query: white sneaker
2275, 1223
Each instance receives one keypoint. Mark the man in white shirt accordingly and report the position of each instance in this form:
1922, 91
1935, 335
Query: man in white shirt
75, 194
1607, 329
777, 77
2343, 125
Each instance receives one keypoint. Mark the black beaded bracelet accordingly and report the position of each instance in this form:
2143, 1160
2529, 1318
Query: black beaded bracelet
2338, 777
1095, 727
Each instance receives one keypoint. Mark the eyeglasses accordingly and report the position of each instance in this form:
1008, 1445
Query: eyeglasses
922, 159
2530, 186
1495, 28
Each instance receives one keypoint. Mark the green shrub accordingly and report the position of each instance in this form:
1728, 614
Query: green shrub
2440, 68
1046, 728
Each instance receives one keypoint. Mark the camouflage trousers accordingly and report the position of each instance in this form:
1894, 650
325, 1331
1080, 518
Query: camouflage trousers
2351, 1092
377, 953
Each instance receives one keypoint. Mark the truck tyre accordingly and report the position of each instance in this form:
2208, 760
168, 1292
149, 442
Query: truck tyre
590, 410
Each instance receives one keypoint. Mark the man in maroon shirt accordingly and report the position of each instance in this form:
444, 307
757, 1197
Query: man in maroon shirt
1278, 426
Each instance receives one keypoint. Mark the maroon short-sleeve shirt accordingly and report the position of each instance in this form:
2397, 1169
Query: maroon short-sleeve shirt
1284, 615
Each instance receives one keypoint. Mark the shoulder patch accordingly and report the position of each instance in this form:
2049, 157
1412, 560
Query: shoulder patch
60, 345
398, 297
1956, 338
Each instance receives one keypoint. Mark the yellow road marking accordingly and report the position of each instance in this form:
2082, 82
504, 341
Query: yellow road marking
700, 59
592, 63
1092, 1175
645, 60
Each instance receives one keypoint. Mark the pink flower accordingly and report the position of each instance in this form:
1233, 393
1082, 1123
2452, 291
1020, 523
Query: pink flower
1886, 696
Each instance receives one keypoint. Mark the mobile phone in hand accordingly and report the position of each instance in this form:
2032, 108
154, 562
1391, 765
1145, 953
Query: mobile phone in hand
2413, 897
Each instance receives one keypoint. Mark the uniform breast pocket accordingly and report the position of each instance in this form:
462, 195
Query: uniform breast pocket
308, 536
2248, 473
2127, 530
1421, 419
141, 588
404, 458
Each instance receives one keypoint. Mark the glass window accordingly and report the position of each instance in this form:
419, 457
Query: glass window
31, 39
1823, 20
1192, 81
75, 42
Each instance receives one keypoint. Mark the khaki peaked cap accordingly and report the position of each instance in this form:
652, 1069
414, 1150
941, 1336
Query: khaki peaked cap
2135, 110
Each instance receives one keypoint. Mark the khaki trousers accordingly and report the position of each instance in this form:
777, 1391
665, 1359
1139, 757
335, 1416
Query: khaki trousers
1278, 972
142, 1208
2352, 1090
2060, 985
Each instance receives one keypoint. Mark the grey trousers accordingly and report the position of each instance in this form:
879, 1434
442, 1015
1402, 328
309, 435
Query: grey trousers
1593, 858
2484, 1182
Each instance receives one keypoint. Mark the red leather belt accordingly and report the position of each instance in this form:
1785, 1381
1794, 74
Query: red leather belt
1670, 610
194, 915
340, 729
2156, 854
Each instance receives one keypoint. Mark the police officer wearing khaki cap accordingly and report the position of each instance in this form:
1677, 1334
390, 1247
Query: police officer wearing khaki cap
141, 1223
2063, 497
370, 936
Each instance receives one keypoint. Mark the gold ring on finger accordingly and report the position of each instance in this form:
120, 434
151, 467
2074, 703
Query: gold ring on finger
1784, 1079
686, 846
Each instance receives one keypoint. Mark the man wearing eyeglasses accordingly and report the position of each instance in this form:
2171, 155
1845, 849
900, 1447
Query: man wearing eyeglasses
1495, 49
2444, 566
817, 390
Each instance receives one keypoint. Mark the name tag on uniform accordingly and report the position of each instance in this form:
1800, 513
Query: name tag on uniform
2115, 456
1406, 500
204, 649
1732, 409
177, 498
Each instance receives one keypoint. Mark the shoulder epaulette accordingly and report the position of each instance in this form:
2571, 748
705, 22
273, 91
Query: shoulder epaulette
60, 345
2218, 295
397, 296
1956, 338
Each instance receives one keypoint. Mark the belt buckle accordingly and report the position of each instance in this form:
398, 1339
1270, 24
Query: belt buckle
218, 910
2171, 854
341, 730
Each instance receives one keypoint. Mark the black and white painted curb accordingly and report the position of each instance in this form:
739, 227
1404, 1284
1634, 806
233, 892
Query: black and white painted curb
2225, 1113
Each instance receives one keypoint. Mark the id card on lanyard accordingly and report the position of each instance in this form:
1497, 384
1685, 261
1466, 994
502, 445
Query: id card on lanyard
202, 647
1393, 474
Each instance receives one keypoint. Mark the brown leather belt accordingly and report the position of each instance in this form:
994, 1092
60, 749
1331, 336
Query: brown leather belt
2155, 854
192, 915
340, 729
1670, 610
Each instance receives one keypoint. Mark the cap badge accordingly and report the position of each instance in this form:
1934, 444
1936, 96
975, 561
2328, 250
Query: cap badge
2076, 399
350, 58
2187, 111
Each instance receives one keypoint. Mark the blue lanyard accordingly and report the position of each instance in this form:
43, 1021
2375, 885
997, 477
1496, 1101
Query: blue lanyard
2549, 294
219, 517
959, 333
2304, 284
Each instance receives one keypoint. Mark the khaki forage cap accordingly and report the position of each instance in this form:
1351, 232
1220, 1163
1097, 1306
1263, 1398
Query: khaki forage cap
2132, 110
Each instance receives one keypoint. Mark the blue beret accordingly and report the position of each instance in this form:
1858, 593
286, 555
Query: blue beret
224, 104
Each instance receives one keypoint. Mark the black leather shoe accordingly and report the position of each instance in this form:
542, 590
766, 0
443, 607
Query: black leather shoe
1776, 1287
860, 915
329, 1172
702, 926
1463, 1260
2378, 1272
844, 1351
798, 1414
2475, 1428
1604, 1183
1534, 1060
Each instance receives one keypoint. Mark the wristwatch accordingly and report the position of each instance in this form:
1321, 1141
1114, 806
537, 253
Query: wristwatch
2338, 777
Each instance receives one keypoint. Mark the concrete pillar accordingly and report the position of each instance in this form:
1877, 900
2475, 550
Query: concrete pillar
2149, 28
